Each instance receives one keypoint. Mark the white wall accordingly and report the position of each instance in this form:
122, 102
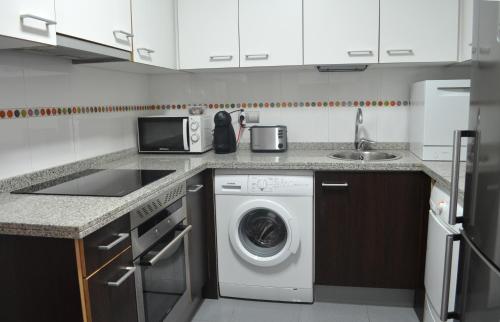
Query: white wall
312, 124
33, 143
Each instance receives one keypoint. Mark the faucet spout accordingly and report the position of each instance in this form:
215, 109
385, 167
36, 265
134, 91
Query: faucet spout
359, 121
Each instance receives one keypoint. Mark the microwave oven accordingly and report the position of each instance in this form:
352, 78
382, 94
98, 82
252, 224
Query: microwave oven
174, 134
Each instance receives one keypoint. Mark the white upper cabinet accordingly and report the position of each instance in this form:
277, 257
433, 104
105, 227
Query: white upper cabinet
153, 26
341, 32
208, 34
418, 31
270, 32
466, 27
105, 22
32, 20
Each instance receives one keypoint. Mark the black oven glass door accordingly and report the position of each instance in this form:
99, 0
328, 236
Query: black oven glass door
163, 273
163, 134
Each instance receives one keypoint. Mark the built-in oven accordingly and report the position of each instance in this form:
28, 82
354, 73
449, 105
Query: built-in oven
160, 252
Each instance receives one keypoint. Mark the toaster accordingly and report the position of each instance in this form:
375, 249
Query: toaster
268, 138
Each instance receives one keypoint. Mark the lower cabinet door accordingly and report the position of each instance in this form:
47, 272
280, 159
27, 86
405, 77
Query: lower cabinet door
111, 291
371, 228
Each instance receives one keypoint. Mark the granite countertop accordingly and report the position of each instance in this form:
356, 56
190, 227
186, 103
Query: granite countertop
76, 217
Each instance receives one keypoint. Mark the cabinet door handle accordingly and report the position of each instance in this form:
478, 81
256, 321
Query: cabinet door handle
195, 188
400, 52
121, 237
221, 58
123, 32
147, 50
257, 57
360, 53
335, 185
130, 271
48, 22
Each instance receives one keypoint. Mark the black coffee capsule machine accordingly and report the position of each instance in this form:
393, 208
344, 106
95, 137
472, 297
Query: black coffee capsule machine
224, 136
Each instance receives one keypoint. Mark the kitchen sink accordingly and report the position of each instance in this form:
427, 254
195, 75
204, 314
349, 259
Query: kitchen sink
364, 155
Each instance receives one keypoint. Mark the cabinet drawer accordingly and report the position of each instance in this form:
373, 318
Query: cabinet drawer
111, 291
104, 244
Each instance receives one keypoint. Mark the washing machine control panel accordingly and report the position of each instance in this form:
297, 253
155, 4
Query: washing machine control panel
280, 184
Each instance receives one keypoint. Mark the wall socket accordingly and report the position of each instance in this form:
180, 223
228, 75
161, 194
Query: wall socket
252, 117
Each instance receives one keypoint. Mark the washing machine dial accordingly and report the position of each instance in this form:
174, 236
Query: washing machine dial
261, 184
195, 125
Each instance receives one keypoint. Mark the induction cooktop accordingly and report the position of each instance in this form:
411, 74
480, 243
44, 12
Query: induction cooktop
97, 183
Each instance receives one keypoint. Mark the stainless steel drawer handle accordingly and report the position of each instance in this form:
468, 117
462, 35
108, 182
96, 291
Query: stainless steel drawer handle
448, 261
123, 32
146, 50
48, 22
335, 185
257, 57
170, 245
221, 58
130, 271
360, 53
400, 52
195, 188
121, 237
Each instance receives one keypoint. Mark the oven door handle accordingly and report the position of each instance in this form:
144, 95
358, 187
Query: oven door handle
170, 245
185, 134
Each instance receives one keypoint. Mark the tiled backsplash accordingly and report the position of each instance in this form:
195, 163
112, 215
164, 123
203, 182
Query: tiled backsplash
95, 109
319, 106
41, 85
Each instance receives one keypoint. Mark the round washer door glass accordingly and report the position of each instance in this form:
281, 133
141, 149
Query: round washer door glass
263, 232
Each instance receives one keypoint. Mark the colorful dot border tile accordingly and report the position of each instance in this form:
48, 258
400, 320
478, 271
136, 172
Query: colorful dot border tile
19, 113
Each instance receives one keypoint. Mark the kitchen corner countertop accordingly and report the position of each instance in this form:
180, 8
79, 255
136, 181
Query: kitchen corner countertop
76, 217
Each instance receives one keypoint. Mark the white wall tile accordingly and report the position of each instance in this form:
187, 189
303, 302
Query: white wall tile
15, 155
51, 141
11, 80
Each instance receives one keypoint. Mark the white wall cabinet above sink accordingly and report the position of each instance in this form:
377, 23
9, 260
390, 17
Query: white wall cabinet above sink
208, 34
103, 22
154, 31
270, 32
341, 32
418, 31
31, 20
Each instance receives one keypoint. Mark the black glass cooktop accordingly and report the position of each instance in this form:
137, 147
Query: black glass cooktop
97, 183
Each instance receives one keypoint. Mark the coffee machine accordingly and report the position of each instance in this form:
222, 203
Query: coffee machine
224, 136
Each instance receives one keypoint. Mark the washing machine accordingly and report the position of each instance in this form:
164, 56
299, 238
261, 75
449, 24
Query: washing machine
265, 235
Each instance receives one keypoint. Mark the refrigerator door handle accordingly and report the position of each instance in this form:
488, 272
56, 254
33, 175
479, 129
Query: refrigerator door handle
448, 262
455, 171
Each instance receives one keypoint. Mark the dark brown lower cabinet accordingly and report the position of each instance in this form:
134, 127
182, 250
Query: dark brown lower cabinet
371, 228
111, 291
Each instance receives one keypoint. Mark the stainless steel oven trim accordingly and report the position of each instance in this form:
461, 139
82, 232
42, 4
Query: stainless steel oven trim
140, 244
179, 310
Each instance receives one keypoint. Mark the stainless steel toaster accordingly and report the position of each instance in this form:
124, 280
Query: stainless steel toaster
268, 138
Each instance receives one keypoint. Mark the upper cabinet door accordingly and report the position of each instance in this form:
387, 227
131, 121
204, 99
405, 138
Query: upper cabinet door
270, 32
418, 31
466, 27
32, 20
104, 22
341, 32
208, 34
153, 25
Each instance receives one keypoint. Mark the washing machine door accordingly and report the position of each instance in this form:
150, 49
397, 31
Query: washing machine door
263, 233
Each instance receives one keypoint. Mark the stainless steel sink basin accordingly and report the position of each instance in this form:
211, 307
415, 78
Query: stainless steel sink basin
364, 156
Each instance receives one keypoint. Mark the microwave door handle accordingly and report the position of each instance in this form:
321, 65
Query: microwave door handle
170, 245
185, 134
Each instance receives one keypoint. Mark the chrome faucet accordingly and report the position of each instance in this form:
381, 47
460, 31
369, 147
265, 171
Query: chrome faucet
360, 144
